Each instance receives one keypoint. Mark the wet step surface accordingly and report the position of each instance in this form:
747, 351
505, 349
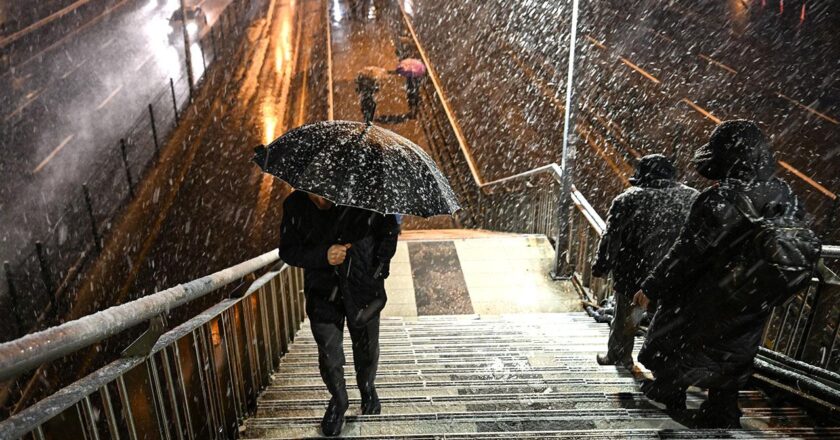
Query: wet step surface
519, 376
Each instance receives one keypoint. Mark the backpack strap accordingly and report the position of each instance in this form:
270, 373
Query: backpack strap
745, 206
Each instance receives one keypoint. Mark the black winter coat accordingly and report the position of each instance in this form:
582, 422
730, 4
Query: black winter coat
642, 224
696, 332
308, 232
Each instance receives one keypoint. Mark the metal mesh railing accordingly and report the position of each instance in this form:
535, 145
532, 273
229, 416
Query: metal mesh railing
34, 287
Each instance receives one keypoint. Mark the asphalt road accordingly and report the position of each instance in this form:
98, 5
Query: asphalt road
650, 77
64, 106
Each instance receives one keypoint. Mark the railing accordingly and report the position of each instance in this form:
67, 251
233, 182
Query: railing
198, 380
802, 335
38, 280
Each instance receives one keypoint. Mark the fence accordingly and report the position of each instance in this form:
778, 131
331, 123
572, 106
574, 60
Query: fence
37, 284
198, 380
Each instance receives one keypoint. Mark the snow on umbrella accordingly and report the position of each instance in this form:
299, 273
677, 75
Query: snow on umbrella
411, 68
352, 164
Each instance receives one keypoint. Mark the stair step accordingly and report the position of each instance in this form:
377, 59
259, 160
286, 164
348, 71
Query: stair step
634, 434
382, 379
496, 421
491, 402
515, 363
498, 370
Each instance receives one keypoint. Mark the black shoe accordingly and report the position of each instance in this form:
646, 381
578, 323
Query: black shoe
717, 418
334, 418
370, 402
674, 401
604, 359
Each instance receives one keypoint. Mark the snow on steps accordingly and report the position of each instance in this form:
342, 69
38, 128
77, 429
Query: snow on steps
512, 377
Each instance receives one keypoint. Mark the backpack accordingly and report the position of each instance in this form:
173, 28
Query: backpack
777, 259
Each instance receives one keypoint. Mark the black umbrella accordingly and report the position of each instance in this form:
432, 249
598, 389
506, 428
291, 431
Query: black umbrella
359, 165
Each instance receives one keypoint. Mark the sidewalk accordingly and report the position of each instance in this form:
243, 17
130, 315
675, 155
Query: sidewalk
360, 40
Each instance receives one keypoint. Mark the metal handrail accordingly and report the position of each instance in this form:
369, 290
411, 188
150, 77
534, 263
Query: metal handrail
34, 349
553, 168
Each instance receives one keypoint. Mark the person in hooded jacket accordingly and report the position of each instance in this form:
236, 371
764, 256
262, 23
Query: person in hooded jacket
345, 253
642, 224
698, 336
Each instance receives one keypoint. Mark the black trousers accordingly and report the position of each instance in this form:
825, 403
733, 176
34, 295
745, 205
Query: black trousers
623, 330
330, 339
368, 104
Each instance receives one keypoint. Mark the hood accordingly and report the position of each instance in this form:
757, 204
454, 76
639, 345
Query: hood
736, 150
652, 169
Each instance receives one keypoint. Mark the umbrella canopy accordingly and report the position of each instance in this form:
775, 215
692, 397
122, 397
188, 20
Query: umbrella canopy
359, 165
374, 73
411, 68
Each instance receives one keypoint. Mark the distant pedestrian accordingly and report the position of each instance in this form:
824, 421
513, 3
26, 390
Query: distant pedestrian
413, 70
367, 85
642, 224
745, 248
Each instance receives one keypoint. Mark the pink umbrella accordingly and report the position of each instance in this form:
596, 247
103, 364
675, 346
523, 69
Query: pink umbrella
411, 68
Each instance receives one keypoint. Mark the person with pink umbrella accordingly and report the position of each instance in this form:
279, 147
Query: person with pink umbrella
413, 70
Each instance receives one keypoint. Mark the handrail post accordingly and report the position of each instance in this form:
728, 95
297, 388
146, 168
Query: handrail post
154, 130
127, 168
89, 206
13, 298
174, 101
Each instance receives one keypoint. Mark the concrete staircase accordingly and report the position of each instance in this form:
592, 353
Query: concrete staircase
518, 377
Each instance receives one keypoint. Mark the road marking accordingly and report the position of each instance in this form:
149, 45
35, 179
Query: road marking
54, 152
641, 71
719, 64
810, 109
69, 72
30, 98
108, 43
701, 110
64, 38
140, 66
808, 180
105, 102
598, 44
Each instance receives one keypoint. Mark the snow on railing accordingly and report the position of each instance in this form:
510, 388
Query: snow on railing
34, 349
197, 380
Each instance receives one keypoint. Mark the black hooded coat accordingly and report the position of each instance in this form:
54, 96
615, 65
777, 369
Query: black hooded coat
642, 224
332, 292
696, 332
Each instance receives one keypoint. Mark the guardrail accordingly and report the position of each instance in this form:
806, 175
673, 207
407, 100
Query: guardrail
198, 380
37, 282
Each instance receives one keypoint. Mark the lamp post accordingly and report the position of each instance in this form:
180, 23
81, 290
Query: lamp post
567, 155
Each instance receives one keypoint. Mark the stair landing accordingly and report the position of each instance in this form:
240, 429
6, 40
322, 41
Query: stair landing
457, 271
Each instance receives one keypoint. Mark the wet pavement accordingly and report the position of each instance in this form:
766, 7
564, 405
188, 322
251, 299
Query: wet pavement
71, 102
